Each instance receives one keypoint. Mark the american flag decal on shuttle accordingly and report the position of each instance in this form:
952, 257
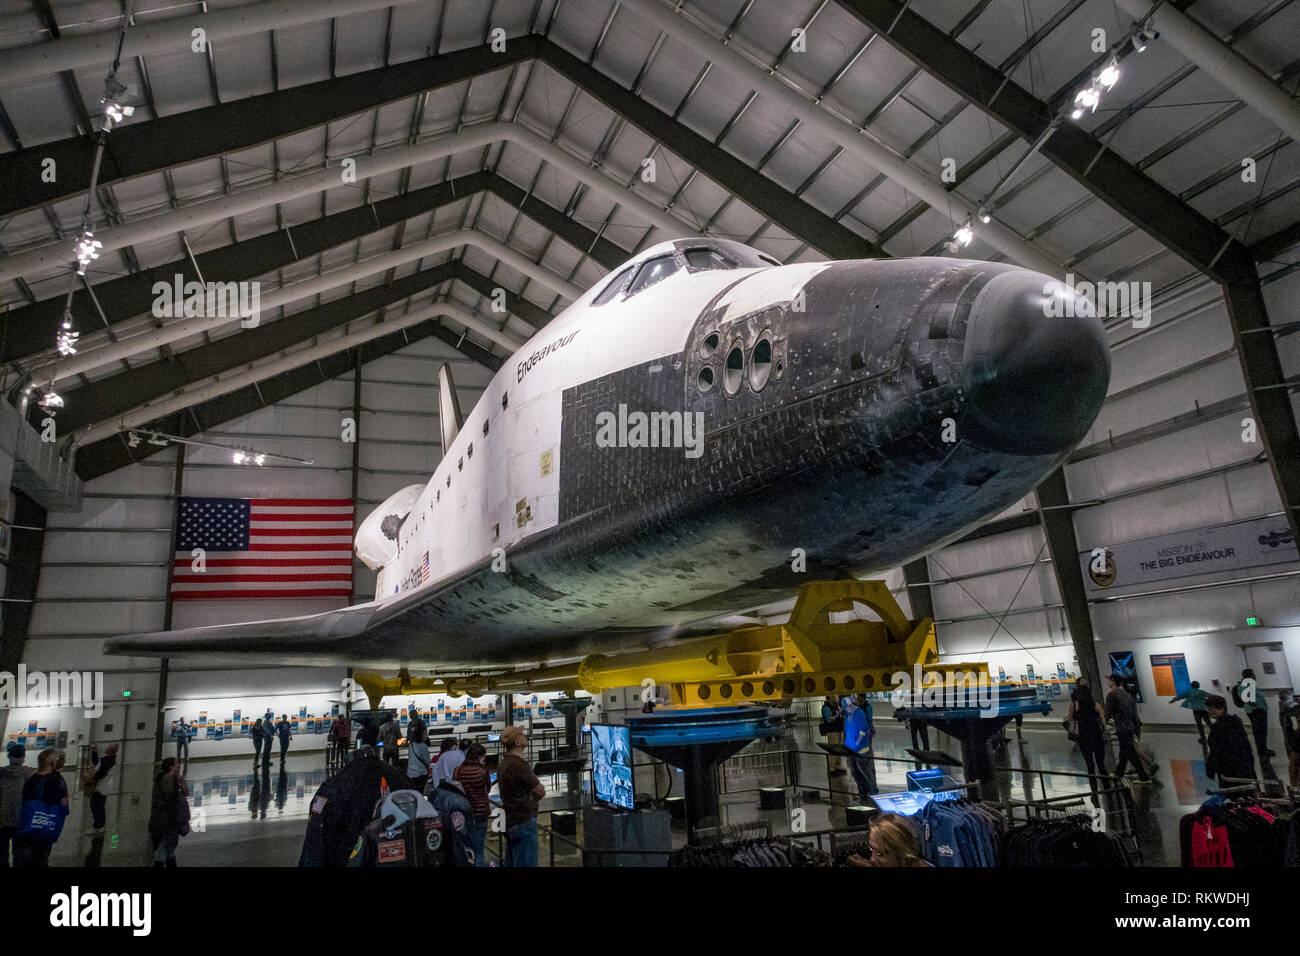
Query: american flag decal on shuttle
424, 567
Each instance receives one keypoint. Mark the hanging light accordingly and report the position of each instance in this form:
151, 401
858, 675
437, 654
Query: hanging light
238, 457
87, 251
66, 342
132, 440
51, 401
964, 235
1109, 75
260, 459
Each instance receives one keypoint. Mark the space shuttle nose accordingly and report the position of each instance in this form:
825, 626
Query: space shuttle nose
1036, 365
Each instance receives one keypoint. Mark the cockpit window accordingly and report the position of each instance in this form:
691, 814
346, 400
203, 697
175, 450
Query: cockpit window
652, 271
699, 260
612, 289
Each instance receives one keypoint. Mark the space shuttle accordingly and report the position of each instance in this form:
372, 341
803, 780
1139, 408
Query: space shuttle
702, 432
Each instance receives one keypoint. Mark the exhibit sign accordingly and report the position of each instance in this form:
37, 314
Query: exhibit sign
1223, 547
1170, 673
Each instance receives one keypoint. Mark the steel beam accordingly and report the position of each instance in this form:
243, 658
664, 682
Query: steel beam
785, 209
1058, 525
111, 454
920, 598
1198, 45
173, 35
119, 393
212, 388
168, 141
1132, 194
53, 257
98, 352
28, 330
111, 396
21, 580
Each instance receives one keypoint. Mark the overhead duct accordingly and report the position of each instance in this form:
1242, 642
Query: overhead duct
88, 359
59, 255
1222, 62
173, 35
850, 138
160, 408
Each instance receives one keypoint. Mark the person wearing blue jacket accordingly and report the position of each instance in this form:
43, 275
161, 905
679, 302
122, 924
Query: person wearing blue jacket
859, 730
1194, 700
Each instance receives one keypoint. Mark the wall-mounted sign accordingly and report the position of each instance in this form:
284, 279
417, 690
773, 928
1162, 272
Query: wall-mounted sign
1123, 666
1224, 547
1170, 674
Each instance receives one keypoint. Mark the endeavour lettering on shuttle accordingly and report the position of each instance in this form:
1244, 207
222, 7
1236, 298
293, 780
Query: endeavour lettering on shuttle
527, 364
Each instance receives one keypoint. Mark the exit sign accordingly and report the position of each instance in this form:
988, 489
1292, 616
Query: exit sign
127, 693
1252, 622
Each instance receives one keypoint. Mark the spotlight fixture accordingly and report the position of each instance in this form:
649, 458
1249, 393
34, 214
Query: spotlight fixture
238, 455
115, 112
1143, 37
1109, 75
964, 235
1087, 99
66, 342
87, 251
51, 401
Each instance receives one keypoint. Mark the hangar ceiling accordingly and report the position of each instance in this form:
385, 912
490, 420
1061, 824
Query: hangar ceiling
517, 160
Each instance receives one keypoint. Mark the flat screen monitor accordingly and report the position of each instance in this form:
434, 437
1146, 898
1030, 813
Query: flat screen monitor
494, 738
906, 803
611, 763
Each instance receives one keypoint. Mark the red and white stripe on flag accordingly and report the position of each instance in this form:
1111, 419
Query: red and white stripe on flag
296, 548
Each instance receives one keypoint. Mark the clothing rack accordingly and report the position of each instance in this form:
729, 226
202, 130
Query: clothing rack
749, 830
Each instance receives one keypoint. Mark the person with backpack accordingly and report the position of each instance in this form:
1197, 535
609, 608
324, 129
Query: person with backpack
1250, 698
258, 733
1229, 749
44, 809
418, 765
832, 728
285, 731
12, 780
169, 813
91, 779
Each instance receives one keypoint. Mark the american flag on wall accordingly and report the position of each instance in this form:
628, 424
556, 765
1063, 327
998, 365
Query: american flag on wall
264, 548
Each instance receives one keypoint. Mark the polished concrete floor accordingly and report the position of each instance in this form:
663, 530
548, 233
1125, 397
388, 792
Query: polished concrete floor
242, 817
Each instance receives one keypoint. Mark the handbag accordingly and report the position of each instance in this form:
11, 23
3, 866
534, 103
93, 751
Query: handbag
40, 820
1071, 726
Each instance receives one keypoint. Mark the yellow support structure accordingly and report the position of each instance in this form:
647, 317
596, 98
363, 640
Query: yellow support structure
808, 655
